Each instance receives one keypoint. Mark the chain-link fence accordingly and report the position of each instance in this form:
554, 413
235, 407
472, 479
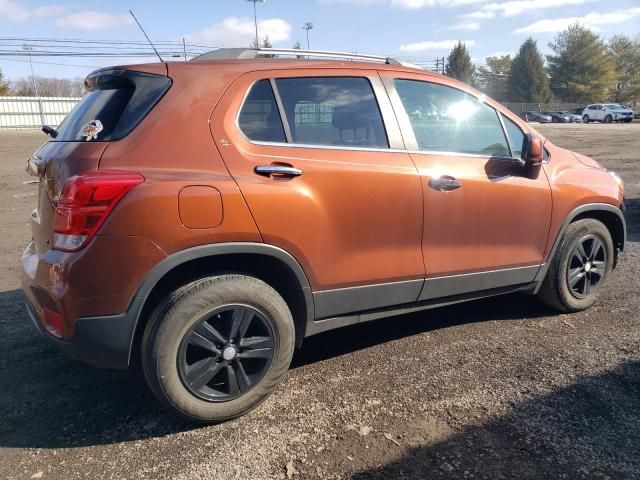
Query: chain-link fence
33, 112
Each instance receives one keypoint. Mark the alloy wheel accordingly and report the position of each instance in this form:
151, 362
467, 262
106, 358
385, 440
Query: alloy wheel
586, 267
226, 353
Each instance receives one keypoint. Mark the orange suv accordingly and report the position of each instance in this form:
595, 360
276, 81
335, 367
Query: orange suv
212, 214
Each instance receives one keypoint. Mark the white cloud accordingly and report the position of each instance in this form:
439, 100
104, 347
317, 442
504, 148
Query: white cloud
592, 20
464, 26
516, 7
18, 12
415, 4
477, 15
93, 20
406, 4
362, 3
434, 45
234, 31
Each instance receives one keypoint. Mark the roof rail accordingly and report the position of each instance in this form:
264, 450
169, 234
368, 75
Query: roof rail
251, 53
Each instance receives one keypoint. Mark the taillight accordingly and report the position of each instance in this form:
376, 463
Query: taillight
84, 203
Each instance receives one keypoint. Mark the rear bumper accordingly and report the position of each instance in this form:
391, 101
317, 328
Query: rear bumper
103, 342
92, 295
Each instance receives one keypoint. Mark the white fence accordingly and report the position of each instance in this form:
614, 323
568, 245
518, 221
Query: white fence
33, 112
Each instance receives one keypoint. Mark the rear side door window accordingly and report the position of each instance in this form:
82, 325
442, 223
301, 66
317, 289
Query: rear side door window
259, 118
445, 119
332, 111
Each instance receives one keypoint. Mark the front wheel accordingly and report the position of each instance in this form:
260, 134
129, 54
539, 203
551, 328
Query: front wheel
585, 119
608, 119
217, 347
579, 267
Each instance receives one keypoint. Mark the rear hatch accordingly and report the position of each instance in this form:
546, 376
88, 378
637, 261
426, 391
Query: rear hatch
117, 100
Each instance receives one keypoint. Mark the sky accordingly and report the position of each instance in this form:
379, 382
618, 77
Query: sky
409, 29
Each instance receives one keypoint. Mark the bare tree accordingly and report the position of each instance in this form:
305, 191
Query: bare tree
48, 87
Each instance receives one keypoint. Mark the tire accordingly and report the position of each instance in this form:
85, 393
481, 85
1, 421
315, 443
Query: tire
585, 119
173, 338
608, 119
556, 291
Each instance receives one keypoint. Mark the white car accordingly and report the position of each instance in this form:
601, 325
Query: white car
607, 113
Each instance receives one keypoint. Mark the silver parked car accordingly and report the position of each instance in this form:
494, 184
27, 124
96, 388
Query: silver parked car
607, 113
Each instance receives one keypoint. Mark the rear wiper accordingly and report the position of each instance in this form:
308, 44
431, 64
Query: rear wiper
52, 132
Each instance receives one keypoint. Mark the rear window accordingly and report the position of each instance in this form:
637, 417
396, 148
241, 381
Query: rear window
116, 102
340, 111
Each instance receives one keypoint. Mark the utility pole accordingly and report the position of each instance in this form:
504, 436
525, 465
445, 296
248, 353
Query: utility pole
255, 19
307, 26
29, 49
184, 47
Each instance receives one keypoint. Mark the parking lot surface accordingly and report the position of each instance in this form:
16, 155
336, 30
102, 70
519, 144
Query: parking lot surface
498, 388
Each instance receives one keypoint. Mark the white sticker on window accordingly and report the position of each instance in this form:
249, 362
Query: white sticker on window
91, 130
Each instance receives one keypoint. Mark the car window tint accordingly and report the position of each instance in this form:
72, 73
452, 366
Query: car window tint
446, 119
339, 111
259, 118
516, 136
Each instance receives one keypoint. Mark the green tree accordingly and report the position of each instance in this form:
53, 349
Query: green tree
266, 43
493, 79
4, 86
625, 54
528, 81
581, 69
459, 64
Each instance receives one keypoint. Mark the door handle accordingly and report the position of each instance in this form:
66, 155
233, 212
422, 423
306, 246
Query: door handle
278, 171
445, 183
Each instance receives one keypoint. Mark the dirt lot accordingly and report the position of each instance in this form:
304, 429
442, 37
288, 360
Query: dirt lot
501, 388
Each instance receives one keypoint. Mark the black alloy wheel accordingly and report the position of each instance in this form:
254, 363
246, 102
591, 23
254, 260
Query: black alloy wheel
226, 353
587, 266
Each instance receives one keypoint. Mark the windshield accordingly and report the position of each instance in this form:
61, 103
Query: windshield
614, 106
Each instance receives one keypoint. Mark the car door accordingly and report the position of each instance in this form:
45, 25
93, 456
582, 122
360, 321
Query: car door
598, 112
486, 218
319, 158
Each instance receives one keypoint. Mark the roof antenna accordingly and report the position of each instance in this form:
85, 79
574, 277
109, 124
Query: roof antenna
145, 34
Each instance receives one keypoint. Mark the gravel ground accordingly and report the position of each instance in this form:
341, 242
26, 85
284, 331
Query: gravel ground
499, 388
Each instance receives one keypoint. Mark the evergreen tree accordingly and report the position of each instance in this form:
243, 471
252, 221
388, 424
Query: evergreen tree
266, 43
459, 64
493, 78
626, 57
4, 87
529, 81
581, 70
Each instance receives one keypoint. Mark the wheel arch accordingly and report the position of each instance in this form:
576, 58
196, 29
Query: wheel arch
271, 264
610, 215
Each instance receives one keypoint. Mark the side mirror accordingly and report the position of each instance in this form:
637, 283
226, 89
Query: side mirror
532, 150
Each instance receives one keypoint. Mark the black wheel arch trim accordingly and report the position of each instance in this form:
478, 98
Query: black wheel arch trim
107, 341
576, 212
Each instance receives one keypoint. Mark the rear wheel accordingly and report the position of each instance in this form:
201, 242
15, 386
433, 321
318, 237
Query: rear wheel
579, 268
217, 347
585, 119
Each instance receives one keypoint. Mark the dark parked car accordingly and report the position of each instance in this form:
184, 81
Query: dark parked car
558, 117
535, 117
